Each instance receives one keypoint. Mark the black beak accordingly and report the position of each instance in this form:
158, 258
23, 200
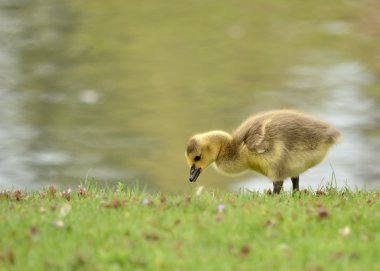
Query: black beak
194, 173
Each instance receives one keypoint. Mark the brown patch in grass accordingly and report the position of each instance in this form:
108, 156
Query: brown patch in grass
18, 195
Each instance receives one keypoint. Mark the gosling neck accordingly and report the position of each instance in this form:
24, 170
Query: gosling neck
228, 159
220, 141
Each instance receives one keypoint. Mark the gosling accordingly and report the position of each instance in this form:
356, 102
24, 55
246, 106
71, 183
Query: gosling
278, 144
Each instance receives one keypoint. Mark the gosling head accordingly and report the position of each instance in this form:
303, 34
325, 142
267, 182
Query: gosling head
200, 153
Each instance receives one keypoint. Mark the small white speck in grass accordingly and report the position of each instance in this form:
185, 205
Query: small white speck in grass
65, 209
346, 231
199, 190
145, 201
58, 223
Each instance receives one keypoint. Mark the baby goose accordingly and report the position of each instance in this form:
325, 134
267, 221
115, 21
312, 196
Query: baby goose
278, 144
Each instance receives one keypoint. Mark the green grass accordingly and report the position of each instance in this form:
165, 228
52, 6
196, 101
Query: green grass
94, 229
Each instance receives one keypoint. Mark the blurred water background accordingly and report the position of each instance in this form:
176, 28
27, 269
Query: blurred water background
112, 90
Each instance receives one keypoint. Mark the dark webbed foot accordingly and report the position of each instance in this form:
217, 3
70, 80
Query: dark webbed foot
295, 182
277, 186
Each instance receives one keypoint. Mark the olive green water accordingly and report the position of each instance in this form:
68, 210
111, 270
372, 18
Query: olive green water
113, 89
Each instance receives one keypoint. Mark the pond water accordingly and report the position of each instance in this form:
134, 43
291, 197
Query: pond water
112, 91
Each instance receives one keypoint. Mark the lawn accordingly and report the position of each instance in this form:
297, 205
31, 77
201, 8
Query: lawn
126, 229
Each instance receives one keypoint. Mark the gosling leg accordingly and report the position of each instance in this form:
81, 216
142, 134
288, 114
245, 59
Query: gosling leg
277, 186
295, 182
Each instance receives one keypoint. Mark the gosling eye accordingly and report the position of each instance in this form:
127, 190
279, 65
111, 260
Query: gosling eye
197, 158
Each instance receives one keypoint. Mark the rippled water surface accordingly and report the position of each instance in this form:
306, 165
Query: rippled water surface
112, 90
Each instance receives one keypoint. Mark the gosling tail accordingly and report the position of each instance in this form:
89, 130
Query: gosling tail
333, 136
